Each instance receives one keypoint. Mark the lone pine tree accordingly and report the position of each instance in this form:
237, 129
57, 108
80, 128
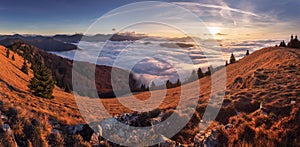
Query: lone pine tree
247, 53
42, 84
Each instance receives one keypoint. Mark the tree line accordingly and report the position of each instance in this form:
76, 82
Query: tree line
293, 43
42, 83
195, 75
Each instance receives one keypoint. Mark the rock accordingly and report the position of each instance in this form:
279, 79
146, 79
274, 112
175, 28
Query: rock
55, 131
3, 118
74, 129
166, 142
95, 139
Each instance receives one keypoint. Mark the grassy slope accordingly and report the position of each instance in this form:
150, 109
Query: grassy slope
251, 80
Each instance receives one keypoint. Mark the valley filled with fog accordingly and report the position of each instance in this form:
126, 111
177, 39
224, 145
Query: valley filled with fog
162, 59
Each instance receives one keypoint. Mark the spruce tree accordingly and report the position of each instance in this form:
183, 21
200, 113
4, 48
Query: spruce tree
178, 83
247, 53
152, 85
67, 89
24, 68
210, 71
226, 63
200, 73
42, 84
7, 53
193, 76
13, 57
143, 87
168, 84
232, 59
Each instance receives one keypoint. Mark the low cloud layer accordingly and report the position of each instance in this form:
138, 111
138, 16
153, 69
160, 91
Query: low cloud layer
151, 61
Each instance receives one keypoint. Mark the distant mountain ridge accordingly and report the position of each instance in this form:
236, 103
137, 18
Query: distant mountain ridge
45, 43
62, 42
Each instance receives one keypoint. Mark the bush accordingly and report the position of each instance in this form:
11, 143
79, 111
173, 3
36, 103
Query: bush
56, 139
6, 140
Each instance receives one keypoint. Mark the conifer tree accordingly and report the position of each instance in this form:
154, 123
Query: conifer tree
178, 83
247, 53
67, 89
13, 57
152, 85
226, 63
208, 72
200, 73
193, 76
24, 67
168, 84
42, 84
143, 87
232, 59
7, 53
282, 44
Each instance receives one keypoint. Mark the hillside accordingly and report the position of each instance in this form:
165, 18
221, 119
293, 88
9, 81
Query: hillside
261, 105
62, 70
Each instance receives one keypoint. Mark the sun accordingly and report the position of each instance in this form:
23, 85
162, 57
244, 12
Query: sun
214, 30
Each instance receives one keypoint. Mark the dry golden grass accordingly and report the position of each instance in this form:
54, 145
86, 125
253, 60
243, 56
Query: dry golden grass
270, 75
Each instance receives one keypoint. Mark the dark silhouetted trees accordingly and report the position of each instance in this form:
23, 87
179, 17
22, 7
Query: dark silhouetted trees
24, 67
143, 87
13, 57
169, 84
247, 53
7, 53
67, 89
208, 72
294, 42
152, 85
282, 44
200, 73
232, 59
178, 83
42, 84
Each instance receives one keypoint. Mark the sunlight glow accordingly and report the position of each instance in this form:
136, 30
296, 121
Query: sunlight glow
214, 30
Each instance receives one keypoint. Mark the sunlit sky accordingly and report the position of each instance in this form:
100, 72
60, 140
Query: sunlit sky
225, 19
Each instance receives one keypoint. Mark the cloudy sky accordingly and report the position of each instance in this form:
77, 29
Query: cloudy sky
225, 19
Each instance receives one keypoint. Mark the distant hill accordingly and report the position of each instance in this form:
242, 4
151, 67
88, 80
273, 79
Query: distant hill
64, 42
62, 70
45, 43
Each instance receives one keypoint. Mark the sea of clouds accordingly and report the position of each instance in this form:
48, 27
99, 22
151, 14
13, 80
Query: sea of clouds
150, 61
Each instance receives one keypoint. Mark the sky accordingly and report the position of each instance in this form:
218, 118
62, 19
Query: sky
224, 19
